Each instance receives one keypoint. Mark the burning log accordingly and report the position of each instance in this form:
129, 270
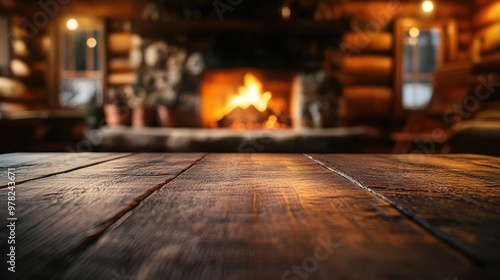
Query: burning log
252, 118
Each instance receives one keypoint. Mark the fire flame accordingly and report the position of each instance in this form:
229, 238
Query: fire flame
249, 94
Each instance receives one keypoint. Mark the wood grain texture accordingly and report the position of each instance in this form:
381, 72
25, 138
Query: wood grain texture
30, 166
255, 216
61, 215
456, 197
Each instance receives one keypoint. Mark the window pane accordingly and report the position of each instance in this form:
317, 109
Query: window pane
81, 78
420, 59
428, 43
416, 95
407, 58
77, 92
65, 51
81, 50
96, 36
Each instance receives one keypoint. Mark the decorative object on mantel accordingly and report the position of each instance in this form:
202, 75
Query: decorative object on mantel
142, 113
166, 77
319, 93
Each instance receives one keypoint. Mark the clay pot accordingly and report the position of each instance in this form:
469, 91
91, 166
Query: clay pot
116, 115
166, 116
142, 116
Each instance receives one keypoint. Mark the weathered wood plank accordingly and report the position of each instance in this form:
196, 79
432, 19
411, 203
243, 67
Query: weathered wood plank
61, 214
456, 197
256, 216
30, 166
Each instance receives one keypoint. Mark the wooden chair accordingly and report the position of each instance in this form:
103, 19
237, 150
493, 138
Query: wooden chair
428, 130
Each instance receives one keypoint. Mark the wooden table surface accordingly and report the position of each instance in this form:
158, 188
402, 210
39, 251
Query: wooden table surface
252, 216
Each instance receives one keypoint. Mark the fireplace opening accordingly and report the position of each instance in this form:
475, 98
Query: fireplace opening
247, 99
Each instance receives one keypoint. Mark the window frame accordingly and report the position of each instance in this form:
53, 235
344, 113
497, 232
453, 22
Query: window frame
57, 71
447, 52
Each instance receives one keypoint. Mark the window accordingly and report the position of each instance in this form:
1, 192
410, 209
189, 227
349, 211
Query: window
81, 62
420, 59
422, 46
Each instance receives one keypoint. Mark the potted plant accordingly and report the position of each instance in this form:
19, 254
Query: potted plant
160, 69
166, 108
117, 112
141, 103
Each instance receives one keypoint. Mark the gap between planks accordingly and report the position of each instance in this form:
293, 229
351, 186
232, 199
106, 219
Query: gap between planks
66, 171
94, 234
420, 222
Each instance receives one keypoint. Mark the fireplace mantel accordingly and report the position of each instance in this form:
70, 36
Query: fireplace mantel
330, 140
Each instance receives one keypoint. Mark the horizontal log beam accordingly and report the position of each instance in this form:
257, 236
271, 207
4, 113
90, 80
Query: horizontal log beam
360, 42
367, 101
368, 69
489, 14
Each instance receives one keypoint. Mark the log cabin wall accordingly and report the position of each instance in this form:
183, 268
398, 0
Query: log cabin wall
486, 48
487, 28
30, 28
369, 56
24, 83
121, 73
368, 65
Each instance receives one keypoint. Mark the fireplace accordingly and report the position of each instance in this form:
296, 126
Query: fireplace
247, 98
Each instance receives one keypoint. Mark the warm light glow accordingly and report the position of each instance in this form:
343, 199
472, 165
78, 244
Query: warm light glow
427, 6
72, 24
412, 41
91, 42
285, 12
272, 122
414, 32
249, 94
240, 99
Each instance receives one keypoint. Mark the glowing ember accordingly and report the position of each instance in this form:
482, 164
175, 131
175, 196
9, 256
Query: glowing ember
272, 122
